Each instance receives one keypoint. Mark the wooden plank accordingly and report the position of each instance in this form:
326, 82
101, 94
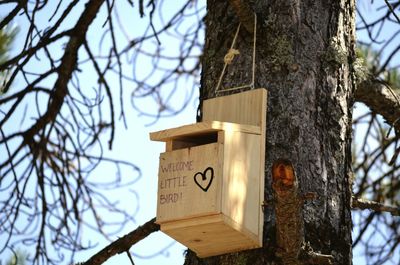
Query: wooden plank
197, 221
243, 108
209, 235
243, 230
189, 183
241, 180
261, 168
183, 132
189, 222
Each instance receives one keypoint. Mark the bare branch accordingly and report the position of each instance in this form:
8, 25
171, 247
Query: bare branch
363, 204
392, 10
13, 13
308, 256
124, 243
68, 65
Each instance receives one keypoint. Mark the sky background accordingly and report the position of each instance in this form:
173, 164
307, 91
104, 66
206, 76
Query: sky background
133, 144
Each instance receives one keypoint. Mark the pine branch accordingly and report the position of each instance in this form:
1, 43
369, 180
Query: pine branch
362, 204
124, 243
288, 204
381, 99
292, 250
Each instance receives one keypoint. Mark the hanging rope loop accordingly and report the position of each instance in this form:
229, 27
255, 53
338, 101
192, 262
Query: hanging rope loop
230, 55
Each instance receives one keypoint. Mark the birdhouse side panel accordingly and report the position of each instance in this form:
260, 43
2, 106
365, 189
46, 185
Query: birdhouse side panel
242, 180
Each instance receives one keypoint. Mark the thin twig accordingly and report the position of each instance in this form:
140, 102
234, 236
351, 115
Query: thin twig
391, 10
130, 257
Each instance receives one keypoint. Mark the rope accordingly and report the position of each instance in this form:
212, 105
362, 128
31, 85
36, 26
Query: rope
230, 55
225, 64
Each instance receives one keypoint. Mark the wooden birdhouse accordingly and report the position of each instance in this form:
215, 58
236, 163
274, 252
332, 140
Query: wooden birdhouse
211, 176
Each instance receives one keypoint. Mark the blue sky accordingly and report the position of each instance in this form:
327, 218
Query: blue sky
133, 144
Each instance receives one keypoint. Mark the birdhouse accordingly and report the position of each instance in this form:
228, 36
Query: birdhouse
211, 176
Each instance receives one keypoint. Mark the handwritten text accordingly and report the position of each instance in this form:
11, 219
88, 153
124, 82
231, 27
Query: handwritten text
177, 166
169, 183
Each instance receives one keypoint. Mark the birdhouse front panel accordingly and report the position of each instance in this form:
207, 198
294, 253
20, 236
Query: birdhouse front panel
189, 182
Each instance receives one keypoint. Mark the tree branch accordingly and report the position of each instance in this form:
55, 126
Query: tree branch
67, 66
363, 204
124, 243
392, 10
13, 13
245, 14
381, 99
308, 256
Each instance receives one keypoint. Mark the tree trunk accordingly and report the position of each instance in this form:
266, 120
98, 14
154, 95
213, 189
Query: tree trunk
304, 55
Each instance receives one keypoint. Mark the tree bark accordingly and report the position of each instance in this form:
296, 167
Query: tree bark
304, 56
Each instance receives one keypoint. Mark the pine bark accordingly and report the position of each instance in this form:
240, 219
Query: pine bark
304, 56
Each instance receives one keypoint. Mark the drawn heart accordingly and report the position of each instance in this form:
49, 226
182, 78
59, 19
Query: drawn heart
204, 180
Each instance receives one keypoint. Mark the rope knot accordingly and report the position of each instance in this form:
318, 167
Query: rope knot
230, 55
